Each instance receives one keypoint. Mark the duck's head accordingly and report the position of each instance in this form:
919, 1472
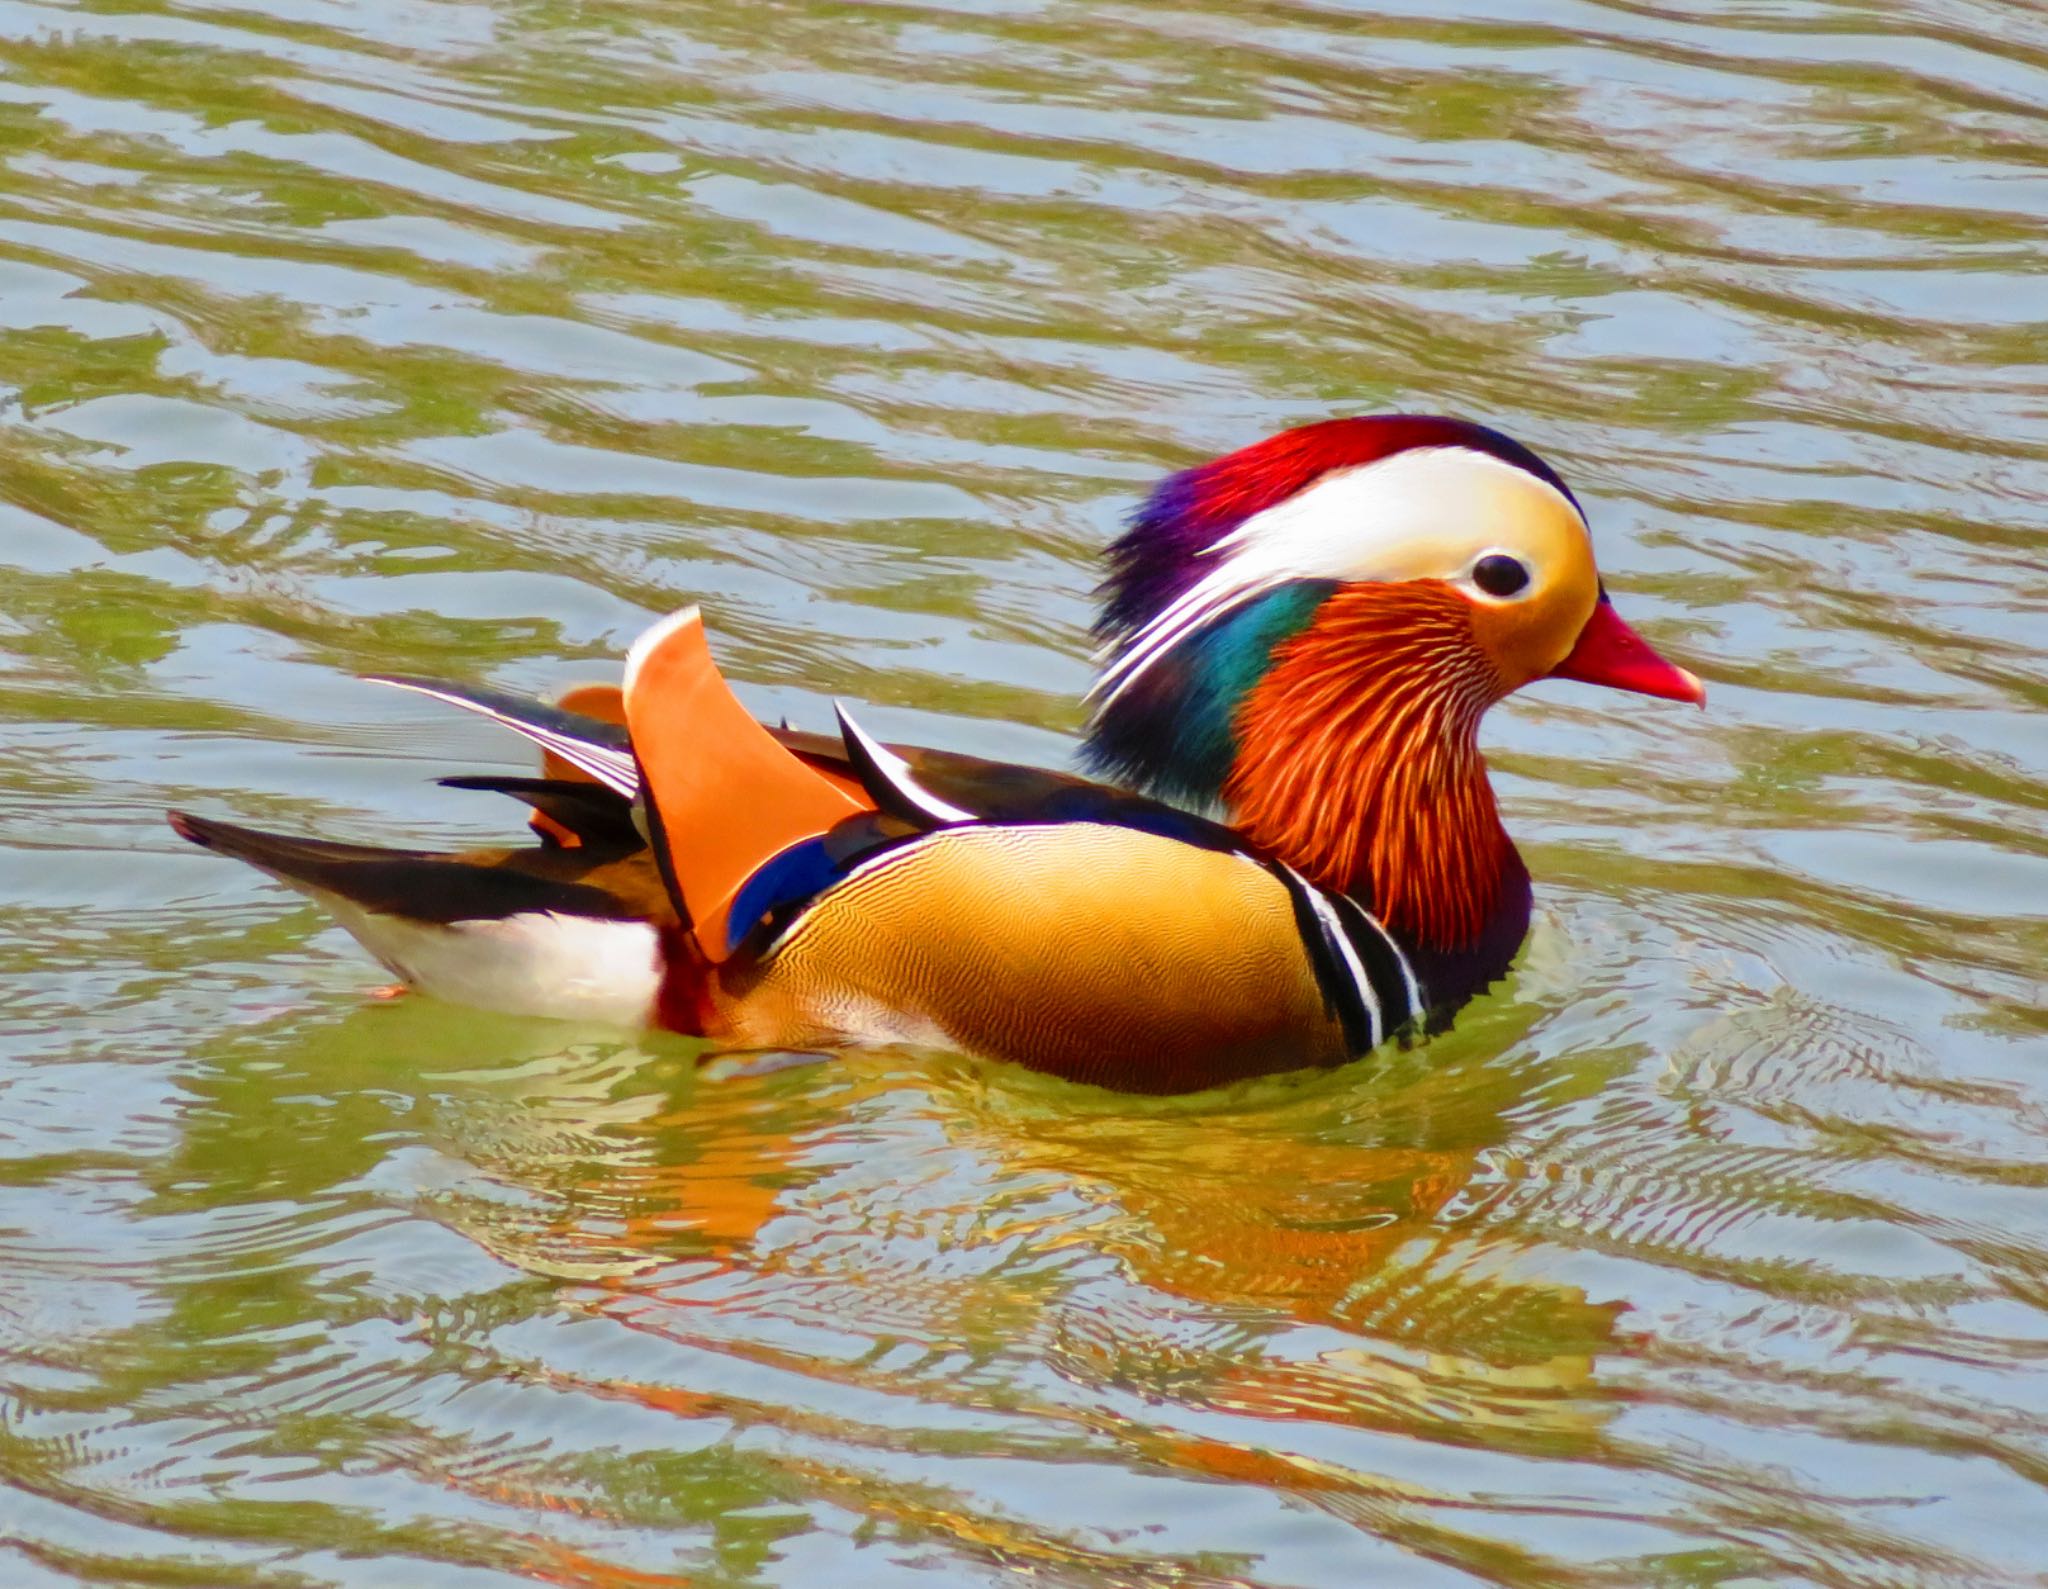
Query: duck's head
1308, 630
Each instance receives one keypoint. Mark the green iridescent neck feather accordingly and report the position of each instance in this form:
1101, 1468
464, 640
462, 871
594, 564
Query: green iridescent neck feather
1172, 730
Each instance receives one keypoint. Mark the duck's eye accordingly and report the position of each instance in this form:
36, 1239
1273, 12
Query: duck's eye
1499, 574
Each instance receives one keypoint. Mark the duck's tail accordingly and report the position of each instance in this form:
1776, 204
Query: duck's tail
569, 933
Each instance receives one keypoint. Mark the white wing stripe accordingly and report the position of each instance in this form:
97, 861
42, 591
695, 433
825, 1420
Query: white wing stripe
615, 769
894, 768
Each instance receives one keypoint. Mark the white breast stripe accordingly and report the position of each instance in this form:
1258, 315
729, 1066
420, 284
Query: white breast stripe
897, 771
1334, 929
615, 769
1408, 978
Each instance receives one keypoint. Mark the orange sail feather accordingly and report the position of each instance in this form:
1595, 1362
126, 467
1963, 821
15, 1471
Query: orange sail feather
722, 796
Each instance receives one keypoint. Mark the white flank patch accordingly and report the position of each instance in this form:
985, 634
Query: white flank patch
1420, 514
570, 968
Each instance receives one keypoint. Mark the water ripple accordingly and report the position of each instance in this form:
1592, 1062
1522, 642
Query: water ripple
467, 337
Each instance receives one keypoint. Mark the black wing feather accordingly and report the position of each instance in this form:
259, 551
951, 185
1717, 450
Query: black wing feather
600, 817
416, 884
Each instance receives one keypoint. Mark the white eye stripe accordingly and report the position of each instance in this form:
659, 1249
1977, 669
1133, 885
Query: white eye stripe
1210, 597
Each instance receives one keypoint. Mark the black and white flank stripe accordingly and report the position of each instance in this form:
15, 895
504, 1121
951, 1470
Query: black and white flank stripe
1366, 979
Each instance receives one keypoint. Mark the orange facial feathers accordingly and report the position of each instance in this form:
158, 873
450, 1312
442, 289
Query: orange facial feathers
722, 796
1358, 759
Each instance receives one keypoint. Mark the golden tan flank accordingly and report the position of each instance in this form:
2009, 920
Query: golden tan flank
1143, 951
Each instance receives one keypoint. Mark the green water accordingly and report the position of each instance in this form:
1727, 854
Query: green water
463, 339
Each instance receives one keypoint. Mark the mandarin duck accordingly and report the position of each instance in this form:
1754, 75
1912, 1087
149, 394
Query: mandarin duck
1300, 856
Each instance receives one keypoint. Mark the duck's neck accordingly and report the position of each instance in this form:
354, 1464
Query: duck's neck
1358, 764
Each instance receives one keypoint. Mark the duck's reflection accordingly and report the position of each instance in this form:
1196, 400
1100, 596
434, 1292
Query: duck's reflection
1318, 1251
868, 1279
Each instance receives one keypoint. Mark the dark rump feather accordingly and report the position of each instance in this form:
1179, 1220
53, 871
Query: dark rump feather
600, 817
420, 885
